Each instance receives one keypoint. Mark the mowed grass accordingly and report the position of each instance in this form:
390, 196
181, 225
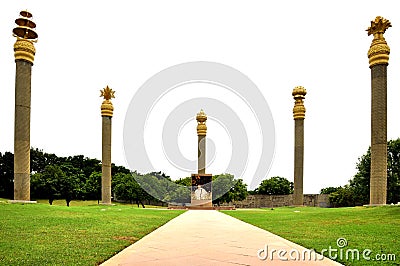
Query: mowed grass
40, 234
374, 228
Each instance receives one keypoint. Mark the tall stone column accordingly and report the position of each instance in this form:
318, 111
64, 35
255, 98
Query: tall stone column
201, 196
106, 113
24, 53
201, 144
299, 112
378, 55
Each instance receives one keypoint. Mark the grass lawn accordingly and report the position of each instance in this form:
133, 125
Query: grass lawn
40, 234
374, 228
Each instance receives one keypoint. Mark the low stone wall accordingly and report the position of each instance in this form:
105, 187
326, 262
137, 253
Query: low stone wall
272, 201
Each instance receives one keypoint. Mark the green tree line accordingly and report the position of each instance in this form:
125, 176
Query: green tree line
70, 178
79, 178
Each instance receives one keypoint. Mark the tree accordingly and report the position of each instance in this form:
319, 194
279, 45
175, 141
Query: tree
71, 186
361, 181
126, 188
154, 184
181, 192
92, 187
343, 197
221, 187
328, 190
187, 181
177, 193
47, 184
118, 169
7, 175
393, 180
39, 160
87, 165
225, 188
275, 186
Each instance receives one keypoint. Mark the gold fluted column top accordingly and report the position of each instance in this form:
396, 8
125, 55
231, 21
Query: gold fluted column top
201, 118
107, 107
26, 36
299, 111
379, 51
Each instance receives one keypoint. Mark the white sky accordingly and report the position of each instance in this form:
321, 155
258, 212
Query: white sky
322, 45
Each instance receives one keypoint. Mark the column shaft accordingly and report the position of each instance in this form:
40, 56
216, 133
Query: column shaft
201, 152
106, 160
378, 182
298, 161
22, 130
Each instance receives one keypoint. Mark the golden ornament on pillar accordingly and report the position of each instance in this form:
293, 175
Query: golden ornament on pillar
379, 51
299, 111
107, 108
201, 123
26, 36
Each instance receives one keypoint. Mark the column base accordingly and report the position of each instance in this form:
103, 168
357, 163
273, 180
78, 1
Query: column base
201, 191
375, 205
201, 203
22, 201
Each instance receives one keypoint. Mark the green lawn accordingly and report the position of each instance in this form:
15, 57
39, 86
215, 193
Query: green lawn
40, 234
88, 234
374, 228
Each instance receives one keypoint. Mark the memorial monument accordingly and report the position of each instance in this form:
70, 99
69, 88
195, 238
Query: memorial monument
201, 190
299, 113
24, 53
378, 55
106, 114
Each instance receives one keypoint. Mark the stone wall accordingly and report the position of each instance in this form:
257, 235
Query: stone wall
272, 201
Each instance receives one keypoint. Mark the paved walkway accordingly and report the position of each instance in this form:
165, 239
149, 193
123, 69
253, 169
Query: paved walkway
207, 237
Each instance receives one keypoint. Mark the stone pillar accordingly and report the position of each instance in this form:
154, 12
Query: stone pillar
201, 144
201, 192
299, 112
106, 113
24, 53
378, 55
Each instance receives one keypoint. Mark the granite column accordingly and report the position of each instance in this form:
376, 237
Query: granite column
24, 53
298, 114
378, 55
106, 113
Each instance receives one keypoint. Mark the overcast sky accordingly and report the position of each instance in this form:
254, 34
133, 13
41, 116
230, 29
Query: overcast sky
321, 45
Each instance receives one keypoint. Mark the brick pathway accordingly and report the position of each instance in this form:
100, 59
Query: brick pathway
208, 237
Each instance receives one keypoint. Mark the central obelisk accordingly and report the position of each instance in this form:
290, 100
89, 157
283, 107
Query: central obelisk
106, 114
24, 53
201, 141
201, 182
